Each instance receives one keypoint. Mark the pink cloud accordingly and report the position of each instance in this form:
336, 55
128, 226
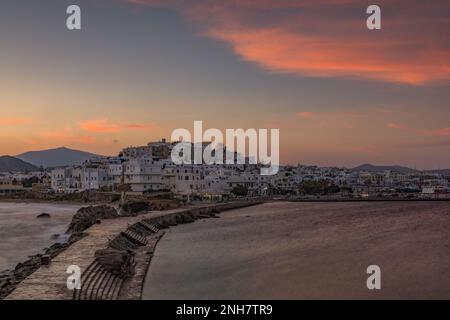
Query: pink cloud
328, 38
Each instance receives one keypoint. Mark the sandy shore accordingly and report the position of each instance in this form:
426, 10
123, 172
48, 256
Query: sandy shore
287, 250
22, 234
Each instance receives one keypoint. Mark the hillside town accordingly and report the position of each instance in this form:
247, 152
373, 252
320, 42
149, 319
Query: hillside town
149, 169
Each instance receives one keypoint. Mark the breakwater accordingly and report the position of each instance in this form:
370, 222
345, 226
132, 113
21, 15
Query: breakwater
113, 256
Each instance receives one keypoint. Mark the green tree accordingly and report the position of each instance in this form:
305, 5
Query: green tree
240, 190
321, 187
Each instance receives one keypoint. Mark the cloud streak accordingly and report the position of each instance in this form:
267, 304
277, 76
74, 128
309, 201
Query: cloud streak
395, 125
105, 125
328, 38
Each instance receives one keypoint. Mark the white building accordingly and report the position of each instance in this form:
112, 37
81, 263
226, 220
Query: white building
144, 174
95, 178
189, 179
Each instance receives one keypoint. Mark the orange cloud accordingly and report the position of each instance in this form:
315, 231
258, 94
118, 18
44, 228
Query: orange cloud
305, 114
441, 132
328, 38
394, 125
100, 126
106, 126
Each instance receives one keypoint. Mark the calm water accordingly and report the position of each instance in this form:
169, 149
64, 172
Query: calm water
22, 234
307, 250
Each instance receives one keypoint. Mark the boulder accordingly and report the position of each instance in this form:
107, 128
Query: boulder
43, 215
88, 216
118, 262
132, 208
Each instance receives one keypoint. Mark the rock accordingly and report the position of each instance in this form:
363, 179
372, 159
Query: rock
24, 269
43, 215
74, 237
55, 236
118, 262
122, 243
46, 259
88, 216
186, 218
132, 208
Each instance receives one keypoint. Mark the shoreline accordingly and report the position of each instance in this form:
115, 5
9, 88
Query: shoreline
109, 231
367, 200
56, 202
49, 281
287, 250
74, 202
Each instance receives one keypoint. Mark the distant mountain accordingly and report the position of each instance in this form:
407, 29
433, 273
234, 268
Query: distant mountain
11, 164
379, 169
56, 157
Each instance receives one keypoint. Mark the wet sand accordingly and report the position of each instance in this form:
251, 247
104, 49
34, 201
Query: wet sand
285, 250
22, 234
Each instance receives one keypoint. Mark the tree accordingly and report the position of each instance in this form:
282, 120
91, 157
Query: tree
28, 182
240, 190
321, 187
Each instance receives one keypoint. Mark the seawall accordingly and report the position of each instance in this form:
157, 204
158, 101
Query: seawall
137, 235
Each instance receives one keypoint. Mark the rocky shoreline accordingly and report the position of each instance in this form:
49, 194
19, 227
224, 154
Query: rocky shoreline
9, 279
125, 244
83, 219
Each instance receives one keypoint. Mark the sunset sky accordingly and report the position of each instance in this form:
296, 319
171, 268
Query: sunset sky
339, 93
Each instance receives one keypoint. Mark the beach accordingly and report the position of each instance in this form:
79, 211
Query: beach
286, 250
23, 234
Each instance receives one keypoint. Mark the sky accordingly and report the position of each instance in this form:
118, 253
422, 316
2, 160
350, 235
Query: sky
340, 94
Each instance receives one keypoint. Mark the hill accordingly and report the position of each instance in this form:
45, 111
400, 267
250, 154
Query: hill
56, 157
11, 164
